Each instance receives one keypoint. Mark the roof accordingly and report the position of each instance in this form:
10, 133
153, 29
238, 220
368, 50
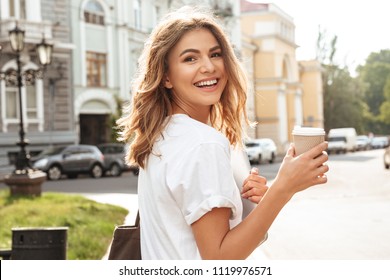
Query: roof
247, 6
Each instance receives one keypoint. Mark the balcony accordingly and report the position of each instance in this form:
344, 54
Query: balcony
33, 30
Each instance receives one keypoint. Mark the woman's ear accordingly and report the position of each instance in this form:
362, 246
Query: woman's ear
167, 83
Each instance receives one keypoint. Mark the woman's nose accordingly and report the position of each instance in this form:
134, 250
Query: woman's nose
207, 66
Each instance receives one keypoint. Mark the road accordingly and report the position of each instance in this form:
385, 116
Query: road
348, 218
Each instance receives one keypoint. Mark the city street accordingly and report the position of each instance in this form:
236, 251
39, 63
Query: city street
348, 218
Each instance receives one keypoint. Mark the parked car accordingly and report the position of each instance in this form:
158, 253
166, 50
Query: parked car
386, 158
363, 142
262, 149
71, 161
342, 140
379, 142
337, 144
114, 159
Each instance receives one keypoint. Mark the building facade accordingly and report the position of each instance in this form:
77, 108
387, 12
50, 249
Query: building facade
97, 44
47, 101
286, 92
109, 37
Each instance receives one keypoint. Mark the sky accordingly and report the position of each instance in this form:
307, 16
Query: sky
362, 27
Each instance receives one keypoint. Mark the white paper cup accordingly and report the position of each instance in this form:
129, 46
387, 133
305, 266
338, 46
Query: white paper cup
306, 138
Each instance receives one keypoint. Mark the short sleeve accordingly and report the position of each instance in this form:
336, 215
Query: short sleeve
204, 180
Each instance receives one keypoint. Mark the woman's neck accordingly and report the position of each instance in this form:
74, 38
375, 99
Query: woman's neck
201, 115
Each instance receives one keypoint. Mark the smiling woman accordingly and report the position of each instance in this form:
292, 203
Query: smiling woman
196, 77
187, 113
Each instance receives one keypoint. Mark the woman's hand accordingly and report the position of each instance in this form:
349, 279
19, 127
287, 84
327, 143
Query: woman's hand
254, 186
298, 173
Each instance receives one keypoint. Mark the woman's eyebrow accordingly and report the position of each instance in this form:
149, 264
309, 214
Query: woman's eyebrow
189, 50
197, 51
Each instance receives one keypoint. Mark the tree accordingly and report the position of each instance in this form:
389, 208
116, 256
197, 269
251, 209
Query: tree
374, 76
343, 104
385, 107
112, 126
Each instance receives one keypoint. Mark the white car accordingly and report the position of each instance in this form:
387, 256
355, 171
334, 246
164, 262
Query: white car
363, 142
263, 149
379, 142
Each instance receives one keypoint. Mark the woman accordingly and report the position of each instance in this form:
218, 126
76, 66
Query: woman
188, 109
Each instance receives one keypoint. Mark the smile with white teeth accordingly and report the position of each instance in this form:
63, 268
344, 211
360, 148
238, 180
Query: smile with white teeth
206, 83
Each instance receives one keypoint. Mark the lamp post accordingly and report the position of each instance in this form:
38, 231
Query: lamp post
25, 180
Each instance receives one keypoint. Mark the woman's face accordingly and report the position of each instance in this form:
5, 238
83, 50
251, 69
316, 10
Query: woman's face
196, 72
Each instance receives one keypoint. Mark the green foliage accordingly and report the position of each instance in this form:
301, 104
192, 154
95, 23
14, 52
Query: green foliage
385, 112
343, 106
90, 223
112, 122
362, 102
375, 76
385, 107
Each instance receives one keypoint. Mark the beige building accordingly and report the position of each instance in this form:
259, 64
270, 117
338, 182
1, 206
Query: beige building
285, 92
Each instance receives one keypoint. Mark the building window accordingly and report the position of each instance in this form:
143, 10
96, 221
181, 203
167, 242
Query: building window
157, 15
96, 69
11, 103
94, 13
12, 8
31, 102
137, 14
17, 8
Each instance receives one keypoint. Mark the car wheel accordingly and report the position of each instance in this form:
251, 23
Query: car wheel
54, 173
96, 171
115, 170
272, 158
259, 159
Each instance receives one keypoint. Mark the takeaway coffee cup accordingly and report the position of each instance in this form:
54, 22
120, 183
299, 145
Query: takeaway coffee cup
306, 138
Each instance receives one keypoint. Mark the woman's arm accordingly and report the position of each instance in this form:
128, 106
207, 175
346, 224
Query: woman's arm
216, 240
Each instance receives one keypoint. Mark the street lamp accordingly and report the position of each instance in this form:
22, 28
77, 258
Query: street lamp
44, 51
25, 180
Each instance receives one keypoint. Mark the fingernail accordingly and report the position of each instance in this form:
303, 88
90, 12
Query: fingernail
254, 170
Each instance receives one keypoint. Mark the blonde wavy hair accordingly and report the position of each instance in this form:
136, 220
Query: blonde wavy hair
144, 118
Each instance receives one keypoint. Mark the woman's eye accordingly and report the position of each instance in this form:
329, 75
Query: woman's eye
189, 59
217, 54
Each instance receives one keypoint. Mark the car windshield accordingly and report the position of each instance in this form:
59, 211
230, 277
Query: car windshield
251, 145
52, 151
337, 139
111, 149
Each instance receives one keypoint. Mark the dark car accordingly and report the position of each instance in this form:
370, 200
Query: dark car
71, 161
114, 159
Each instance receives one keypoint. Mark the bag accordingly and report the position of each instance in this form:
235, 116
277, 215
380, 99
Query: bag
126, 242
